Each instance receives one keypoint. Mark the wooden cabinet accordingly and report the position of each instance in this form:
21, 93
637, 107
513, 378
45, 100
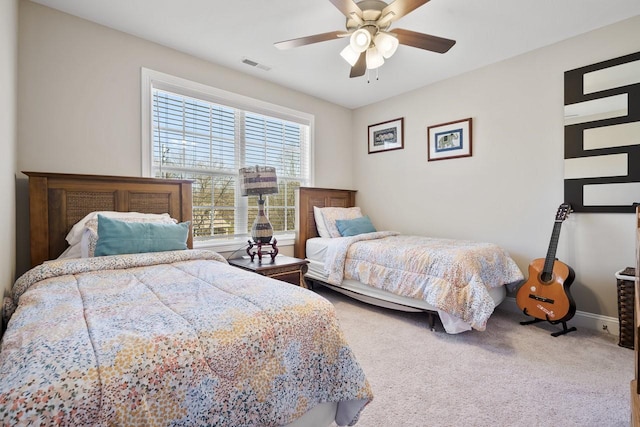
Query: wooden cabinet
287, 269
635, 384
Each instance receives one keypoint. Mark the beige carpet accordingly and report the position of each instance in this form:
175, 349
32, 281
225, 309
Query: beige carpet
508, 375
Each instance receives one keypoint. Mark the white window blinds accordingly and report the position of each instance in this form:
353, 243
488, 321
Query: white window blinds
205, 141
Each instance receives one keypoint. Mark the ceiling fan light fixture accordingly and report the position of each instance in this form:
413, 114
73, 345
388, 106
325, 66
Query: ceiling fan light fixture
370, 39
350, 55
360, 40
374, 58
386, 43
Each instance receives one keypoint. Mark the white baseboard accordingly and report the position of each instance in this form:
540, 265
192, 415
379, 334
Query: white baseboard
596, 322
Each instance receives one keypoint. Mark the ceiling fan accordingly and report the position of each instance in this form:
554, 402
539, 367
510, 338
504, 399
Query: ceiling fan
370, 42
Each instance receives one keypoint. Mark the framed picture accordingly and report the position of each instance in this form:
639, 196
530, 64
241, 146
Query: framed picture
449, 140
386, 136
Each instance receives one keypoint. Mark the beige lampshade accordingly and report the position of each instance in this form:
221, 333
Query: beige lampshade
374, 58
350, 55
386, 44
360, 40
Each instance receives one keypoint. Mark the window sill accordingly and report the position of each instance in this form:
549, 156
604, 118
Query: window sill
238, 244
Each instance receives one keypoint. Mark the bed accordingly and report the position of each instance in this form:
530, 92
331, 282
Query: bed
173, 337
461, 282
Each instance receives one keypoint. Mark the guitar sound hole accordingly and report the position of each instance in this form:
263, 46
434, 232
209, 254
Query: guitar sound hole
546, 277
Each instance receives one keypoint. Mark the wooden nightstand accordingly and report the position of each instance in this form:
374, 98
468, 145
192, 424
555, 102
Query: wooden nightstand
285, 268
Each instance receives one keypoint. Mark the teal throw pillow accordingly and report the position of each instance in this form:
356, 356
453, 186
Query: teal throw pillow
120, 237
353, 227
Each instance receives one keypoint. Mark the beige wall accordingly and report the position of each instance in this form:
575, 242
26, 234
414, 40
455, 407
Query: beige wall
508, 192
79, 100
8, 85
79, 111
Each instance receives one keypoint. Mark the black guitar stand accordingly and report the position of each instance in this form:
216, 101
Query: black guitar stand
564, 330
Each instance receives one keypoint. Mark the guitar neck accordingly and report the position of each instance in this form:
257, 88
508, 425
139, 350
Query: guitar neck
553, 247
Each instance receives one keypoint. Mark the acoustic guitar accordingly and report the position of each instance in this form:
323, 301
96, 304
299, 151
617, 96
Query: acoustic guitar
545, 295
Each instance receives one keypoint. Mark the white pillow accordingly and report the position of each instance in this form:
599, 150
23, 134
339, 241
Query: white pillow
320, 226
330, 215
74, 251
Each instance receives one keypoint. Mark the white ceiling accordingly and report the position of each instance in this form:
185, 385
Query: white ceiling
225, 32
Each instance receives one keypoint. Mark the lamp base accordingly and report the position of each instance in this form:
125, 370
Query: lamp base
261, 231
255, 248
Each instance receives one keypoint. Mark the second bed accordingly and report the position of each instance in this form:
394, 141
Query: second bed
460, 281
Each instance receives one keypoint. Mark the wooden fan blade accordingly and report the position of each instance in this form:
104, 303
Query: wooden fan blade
423, 41
347, 7
361, 66
302, 41
401, 8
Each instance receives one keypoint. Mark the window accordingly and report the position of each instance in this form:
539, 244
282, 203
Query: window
205, 135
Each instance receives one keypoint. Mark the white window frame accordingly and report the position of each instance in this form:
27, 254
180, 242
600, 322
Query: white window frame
151, 79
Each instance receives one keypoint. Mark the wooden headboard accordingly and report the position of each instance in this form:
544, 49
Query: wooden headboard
306, 199
58, 201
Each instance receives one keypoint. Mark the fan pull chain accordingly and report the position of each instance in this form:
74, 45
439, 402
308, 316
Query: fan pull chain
369, 74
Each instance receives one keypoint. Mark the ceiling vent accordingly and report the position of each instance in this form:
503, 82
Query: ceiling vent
255, 64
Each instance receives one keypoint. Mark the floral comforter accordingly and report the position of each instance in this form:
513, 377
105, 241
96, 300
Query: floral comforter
451, 275
174, 338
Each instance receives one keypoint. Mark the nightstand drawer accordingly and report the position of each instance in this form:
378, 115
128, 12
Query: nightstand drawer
284, 268
289, 277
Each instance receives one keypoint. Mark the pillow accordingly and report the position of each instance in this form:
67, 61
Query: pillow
75, 234
90, 235
83, 235
71, 252
353, 227
120, 237
320, 226
330, 216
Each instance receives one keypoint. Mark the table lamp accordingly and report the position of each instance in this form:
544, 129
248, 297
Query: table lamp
259, 180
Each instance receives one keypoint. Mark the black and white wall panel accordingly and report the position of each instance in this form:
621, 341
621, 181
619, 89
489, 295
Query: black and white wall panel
602, 136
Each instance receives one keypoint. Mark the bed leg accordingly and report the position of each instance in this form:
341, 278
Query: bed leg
432, 321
